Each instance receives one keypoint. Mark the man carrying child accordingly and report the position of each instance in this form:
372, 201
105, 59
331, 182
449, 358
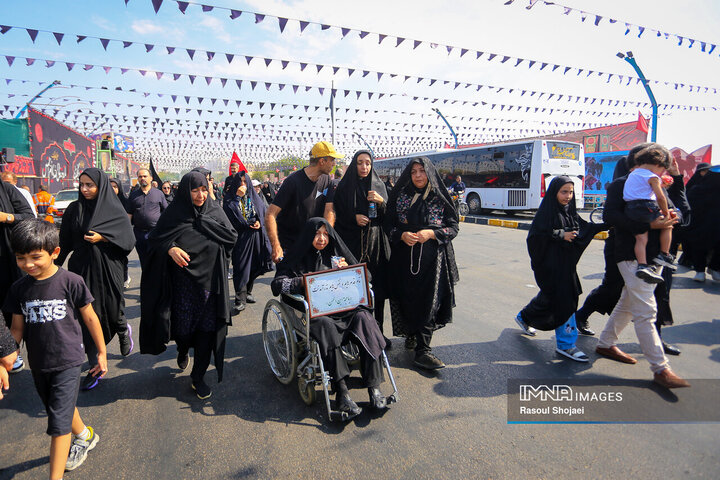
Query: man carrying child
646, 201
46, 307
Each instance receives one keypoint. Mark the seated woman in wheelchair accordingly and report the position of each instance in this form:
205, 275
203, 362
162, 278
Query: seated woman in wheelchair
312, 252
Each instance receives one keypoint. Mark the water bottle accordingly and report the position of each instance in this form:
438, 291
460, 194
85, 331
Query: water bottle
372, 210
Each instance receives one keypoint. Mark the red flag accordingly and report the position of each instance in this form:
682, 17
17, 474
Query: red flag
642, 124
236, 159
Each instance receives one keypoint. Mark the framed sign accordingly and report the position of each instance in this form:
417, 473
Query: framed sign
337, 290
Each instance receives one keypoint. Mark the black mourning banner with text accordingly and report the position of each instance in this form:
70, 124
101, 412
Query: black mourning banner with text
60, 154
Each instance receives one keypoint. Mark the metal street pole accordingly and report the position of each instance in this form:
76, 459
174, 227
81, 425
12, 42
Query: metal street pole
448, 125
628, 57
366, 144
53, 84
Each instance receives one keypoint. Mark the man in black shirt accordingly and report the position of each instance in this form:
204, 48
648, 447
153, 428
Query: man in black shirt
305, 194
144, 207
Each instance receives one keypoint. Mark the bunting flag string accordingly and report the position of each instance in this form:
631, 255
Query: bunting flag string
272, 105
596, 19
359, 93
625, 80
344, 31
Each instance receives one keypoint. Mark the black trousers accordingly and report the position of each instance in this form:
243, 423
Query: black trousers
700, 258
202, 343
141, 244
371, 369
423, 338
242, 291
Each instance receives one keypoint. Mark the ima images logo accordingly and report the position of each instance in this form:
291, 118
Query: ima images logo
556, 393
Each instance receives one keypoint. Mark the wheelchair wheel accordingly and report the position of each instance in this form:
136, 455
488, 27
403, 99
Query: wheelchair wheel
463, 209
596, 216
279, 342
307, 390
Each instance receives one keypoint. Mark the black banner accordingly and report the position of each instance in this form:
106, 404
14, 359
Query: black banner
58, 152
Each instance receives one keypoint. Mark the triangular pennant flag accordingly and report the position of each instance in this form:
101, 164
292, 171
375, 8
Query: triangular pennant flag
416, 43
87, 67
4, 29
69, 66
80, 38
207, 8
33, 34
268, 61
282, 22
259, 17
31, 61
182, 6
170, 50
148, 47
210, 55
156, 5
11, 59
229, 57
248, 59
59, 37
362, 34
107, 69
192, 79
176, 76
190, 52
303, 26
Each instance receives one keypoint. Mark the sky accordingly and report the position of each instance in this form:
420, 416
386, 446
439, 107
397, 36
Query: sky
489, 84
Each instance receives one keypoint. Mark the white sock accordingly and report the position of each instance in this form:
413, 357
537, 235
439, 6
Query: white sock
85, 435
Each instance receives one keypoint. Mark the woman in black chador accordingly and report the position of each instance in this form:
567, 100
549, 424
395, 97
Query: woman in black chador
251, 254
184, 289
312, 252
360, 227
421, 222
557, 239
97, 230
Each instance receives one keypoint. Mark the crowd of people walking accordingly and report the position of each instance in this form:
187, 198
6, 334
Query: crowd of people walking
188, 237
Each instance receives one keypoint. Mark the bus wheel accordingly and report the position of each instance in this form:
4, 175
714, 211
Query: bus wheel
473, 201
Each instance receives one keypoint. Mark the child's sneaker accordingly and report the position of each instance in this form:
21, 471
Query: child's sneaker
18, 365
647, 274
79, 450
527, 330
666, 260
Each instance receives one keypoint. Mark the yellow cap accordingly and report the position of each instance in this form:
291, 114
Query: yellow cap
324, 149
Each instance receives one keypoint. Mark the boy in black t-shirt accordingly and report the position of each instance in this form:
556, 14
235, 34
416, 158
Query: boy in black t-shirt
46, 306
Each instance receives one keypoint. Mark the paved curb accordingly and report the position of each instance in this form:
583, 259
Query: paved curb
496, 222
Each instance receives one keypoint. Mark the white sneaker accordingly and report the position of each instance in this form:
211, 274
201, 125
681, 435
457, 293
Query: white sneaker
699, 277
79, 450
714, 274
126, 285
18, 365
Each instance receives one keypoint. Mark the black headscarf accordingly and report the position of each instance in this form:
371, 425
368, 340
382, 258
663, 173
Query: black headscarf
418, 213
551, 215
231, 200
206, 235
190, 227
11, 201
304, 258
121, 193
105, 213
351, 193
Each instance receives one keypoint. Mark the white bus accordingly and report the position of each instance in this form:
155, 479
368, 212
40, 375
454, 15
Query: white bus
510, 176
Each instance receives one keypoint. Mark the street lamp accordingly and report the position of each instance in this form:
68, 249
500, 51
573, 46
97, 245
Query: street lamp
448, 125
628, 57
53, 84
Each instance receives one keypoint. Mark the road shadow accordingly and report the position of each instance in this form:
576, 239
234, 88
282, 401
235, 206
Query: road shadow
9, 472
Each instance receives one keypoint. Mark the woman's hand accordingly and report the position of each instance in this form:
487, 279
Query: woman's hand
179, 256
409, 238
373, 196
255, 225
569, 236
94, 237
425, 235
361, 220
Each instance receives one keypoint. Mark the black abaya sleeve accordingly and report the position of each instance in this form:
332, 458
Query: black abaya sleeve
447, 233
287, 284
678, 197
20, 208
66, 234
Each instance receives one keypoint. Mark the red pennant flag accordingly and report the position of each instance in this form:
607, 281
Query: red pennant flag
236, 159
642, 124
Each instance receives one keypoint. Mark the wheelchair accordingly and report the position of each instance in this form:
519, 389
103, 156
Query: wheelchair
292, 353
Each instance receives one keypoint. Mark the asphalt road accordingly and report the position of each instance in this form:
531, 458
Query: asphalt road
450, 424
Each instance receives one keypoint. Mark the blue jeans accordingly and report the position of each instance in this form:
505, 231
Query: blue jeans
566, 334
